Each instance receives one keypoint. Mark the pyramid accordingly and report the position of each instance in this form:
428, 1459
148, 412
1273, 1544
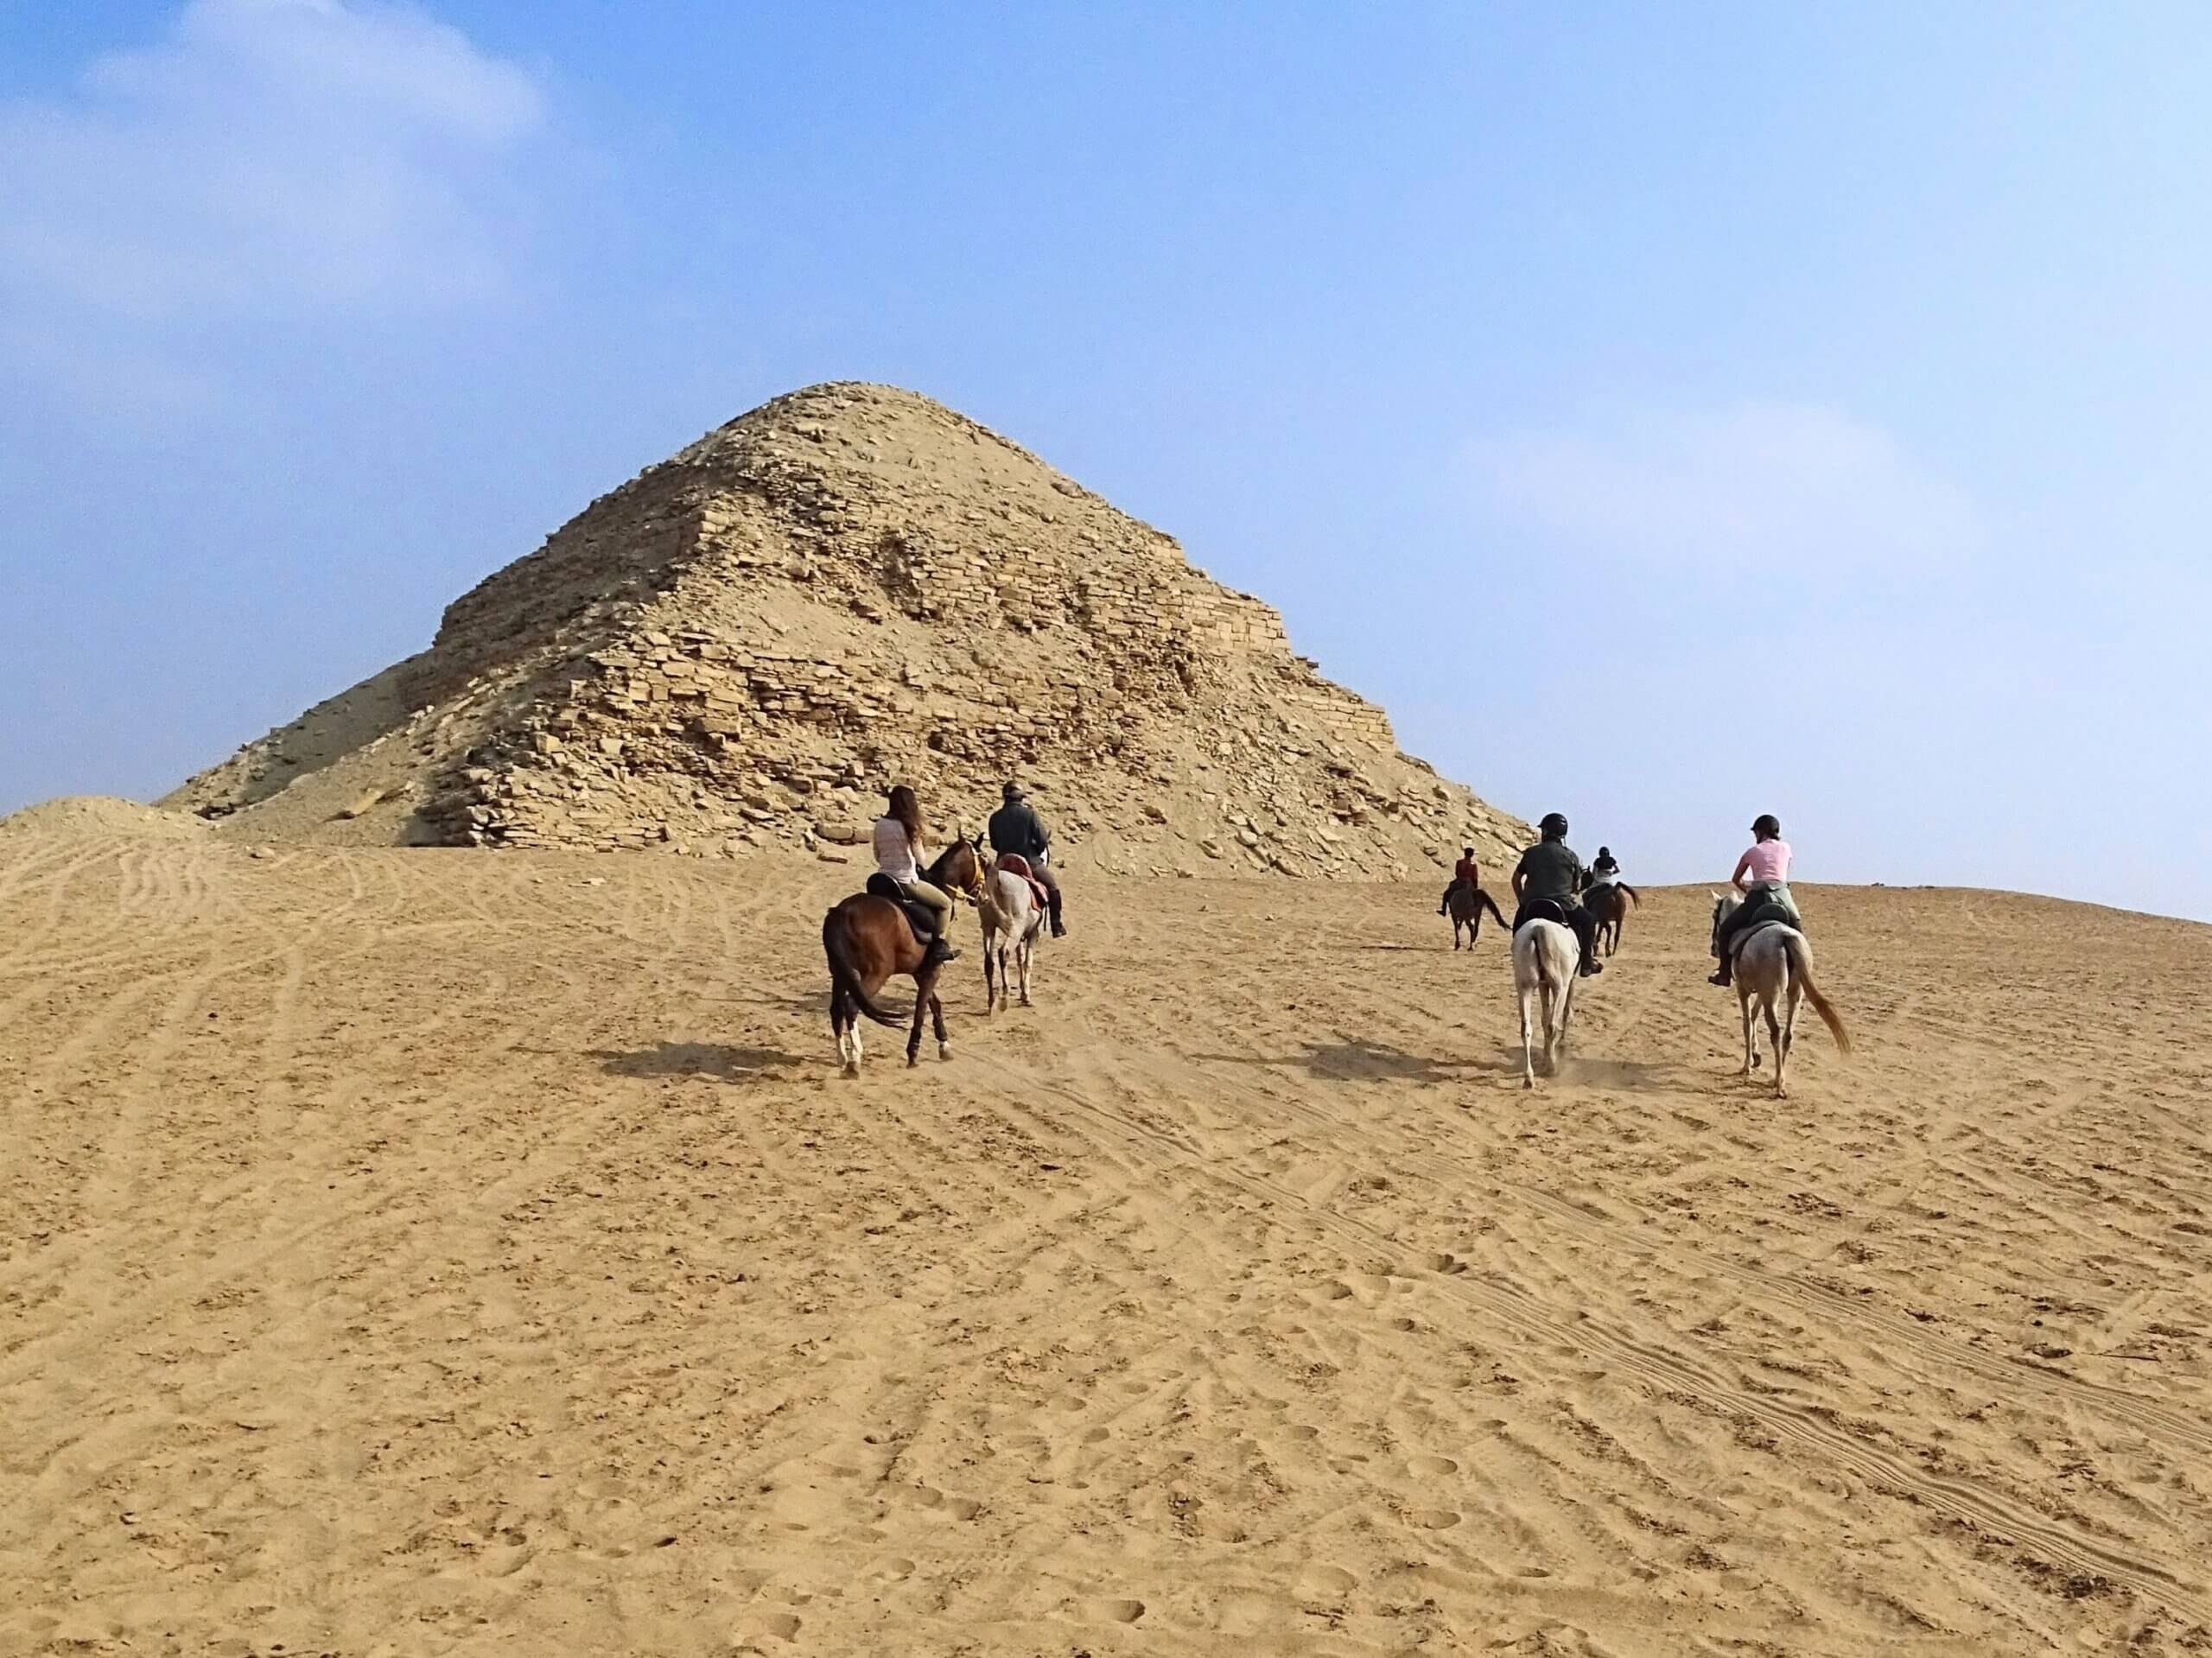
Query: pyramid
852, 586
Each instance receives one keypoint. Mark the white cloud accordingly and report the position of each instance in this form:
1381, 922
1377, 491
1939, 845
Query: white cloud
1728, 490
267, 156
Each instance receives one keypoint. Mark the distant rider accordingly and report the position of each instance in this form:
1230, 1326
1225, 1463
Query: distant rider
1545, 883
898, 841
1463, 873
1015, 828
1763, 877
1604, 868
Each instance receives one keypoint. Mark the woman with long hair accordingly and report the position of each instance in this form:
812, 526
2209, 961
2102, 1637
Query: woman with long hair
899, 849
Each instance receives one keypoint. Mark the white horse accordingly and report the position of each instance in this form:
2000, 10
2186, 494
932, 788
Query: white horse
1546, 959
1011, 923
1774, 964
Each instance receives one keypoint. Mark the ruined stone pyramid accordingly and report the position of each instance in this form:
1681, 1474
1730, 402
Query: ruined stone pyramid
852, 586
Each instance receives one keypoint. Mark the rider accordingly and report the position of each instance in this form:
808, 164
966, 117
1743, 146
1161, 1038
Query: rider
1546, 882
1463, 873
1015, 828
1604, 867
897, 843
1763, 877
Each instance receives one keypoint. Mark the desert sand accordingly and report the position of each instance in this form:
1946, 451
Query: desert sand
423, 1251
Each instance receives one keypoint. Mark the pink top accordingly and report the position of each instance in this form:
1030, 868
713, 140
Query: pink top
1767, 861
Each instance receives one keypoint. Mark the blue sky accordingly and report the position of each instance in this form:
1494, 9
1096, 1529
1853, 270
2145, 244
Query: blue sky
1669, 414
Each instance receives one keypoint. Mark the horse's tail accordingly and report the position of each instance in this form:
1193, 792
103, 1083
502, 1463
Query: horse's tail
1491, 904
1632, 899
1801, 963
844, 976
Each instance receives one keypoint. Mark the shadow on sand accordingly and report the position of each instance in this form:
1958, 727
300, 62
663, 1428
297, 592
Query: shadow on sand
1588, 1072
713, 1059
1350, 1060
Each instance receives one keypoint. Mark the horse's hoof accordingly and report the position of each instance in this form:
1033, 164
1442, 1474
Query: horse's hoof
945, 1050
852, 1068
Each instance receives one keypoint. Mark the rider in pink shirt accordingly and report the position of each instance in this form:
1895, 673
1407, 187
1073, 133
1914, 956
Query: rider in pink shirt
1767, 859
1763, 877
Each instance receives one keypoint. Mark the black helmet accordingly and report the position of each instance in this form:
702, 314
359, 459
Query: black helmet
1767, 823
1554, 825
1604, 851
1466, 852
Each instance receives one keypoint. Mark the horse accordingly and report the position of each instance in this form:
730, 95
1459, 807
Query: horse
867, 939
1466, 905
1012, 921
959, 869
1545, 960
1774, 964
1609, 903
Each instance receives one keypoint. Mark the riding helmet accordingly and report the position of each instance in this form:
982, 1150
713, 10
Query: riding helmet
1768, 823
1553, 824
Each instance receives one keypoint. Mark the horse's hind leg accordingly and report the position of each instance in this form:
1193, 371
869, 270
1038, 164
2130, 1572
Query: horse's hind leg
1751, 1041
842, 1023
1781, 1046
990, 994
937, 1015
1527, 1059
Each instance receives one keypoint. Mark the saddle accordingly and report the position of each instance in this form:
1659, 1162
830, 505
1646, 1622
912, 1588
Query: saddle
1015, 864
919, 916
1541, 909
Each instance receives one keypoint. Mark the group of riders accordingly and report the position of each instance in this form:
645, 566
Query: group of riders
1551, 884
1018, 836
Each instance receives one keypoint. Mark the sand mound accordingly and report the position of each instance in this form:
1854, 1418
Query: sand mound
103, 814
848, 586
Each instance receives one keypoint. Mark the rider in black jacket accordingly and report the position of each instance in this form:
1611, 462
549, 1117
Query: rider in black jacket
1016, 828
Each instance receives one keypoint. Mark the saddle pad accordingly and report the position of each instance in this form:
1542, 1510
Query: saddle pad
919, 916
1735, 945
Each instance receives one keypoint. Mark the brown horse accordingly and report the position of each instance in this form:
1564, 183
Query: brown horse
1609, 903
959, 869
867, 939
1467, 904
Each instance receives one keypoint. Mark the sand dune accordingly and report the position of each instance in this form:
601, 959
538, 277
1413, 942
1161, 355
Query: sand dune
432, 1252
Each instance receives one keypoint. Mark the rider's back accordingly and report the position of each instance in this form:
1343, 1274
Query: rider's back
1549, 871
1768, 860
1015, 828
895, 851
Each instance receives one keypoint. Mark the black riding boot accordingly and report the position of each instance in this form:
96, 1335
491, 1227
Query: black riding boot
1053, 908
1724, 974
939, 951
1585, 934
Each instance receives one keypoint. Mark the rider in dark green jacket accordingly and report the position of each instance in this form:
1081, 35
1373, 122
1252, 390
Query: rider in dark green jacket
1548, 884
